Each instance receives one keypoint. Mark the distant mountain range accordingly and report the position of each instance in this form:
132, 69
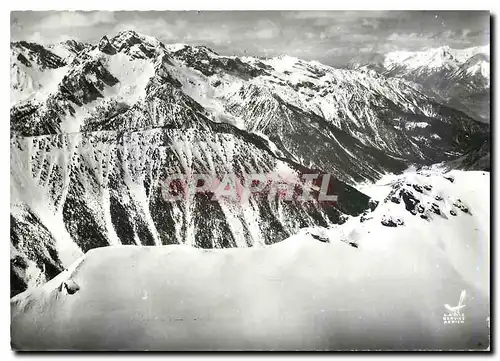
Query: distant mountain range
458, 77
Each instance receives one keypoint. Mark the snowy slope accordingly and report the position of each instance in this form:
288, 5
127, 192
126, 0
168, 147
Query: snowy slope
35, 72
332, 288
451, 212
68, 50
34, 85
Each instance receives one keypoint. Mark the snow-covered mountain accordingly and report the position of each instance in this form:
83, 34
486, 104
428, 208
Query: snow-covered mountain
69, 49
461, 77
96, 127
392, 269
368, 116
437, 58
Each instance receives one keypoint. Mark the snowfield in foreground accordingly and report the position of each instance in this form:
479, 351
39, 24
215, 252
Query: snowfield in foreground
360, 285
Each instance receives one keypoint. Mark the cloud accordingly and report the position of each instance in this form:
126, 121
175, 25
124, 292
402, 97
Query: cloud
370, 23
179, 31
155, 27
403, 37
265, 29
38, 38
447, 35
68, 19
333, 14
310, 14
465, 32
265, 34
327, 36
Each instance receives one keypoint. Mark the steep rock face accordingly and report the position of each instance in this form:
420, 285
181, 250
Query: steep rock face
105, 46
105, 188
35, 70
32, 54
82, 84
34, 259
91, 147
137, 46
69, 50
209, 63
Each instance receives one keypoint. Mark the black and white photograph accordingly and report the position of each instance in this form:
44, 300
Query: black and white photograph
250, 180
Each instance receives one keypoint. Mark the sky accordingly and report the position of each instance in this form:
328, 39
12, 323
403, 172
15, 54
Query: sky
331, 37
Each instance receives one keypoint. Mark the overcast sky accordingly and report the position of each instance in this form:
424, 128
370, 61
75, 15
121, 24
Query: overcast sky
332, 37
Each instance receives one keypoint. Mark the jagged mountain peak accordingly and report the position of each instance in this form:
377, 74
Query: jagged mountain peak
132, 36
478, 64
176, 47
194, 50
206, 49
129, 34
105, 46
480, 57
69, 49
136, 45
74, 45
288, 58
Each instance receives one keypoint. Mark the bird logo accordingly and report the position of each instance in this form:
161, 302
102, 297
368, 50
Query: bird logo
461, 304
